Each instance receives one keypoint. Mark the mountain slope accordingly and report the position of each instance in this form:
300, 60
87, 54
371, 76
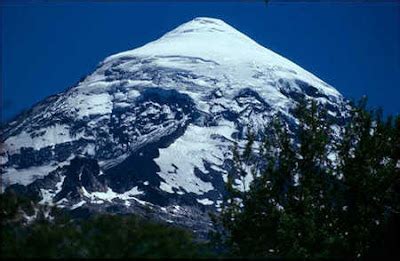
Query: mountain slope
154, 126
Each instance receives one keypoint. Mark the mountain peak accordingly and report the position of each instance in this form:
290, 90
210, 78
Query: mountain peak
216, 42
202, 25
157, 123
206, 22
210, 39
205, 37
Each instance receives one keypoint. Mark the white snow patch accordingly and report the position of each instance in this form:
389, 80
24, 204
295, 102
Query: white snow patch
90, 149
27, 175
198, 144
51, 136
205, 201
3, 159
79, 204
49, 194
109, 195
167, 188
91, 104
132, 94
244, 183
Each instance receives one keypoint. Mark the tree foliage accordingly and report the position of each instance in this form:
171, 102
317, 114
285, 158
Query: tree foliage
100, 236
317, 192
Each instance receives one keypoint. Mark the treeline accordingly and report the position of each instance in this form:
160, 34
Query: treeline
316, 193
54, 234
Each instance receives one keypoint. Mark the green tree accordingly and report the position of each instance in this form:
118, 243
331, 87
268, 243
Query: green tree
315, 194
100, 236
368, 165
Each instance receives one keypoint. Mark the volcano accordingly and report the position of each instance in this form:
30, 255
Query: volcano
150, 131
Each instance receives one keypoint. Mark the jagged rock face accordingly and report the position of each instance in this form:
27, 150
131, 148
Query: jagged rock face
156, 123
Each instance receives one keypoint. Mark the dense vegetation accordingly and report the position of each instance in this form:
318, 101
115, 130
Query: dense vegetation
314, 199
100, 236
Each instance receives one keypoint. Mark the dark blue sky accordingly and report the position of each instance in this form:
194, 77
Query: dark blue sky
47, 47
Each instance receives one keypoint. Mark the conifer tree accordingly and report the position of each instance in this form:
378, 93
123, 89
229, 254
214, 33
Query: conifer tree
317, 194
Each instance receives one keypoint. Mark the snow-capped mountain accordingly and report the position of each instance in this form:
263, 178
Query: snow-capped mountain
153, 127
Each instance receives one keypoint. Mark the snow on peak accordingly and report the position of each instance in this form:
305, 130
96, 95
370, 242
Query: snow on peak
206, 38
202, 25
218, 44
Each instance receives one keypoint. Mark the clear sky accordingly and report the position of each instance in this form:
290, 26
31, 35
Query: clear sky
47, 48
